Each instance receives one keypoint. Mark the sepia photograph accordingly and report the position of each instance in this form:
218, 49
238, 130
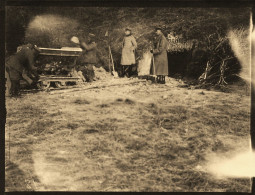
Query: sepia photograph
129, 99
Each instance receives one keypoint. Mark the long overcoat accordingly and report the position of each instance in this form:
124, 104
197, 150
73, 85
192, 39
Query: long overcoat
160, 56
128, 50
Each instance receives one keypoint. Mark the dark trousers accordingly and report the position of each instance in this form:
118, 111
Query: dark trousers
87, 71
127, 70
15, 88
13, 81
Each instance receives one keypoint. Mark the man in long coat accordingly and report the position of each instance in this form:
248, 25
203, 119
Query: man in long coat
160, 61
19, 66
128, 52
88, 58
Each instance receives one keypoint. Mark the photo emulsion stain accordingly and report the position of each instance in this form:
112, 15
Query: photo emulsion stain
128, 99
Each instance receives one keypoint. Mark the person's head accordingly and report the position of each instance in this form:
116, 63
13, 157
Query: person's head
127, 31
158, 31
91, 37
29, 46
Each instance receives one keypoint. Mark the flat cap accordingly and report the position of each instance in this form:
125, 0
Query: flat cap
158, 28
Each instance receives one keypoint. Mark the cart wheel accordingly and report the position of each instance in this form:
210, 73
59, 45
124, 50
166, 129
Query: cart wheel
60, 84
43, 85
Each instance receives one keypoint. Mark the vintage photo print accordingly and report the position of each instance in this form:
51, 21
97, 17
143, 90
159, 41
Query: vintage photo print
121, 98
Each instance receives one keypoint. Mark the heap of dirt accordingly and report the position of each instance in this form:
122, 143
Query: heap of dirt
101, 74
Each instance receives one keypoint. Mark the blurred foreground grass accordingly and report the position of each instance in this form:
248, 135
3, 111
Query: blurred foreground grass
139, 137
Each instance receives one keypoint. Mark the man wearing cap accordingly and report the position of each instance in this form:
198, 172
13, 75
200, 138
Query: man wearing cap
19, 66
88, 58
128, 52
160, 57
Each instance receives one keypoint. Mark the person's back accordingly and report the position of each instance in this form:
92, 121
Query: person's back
88, 58
24, 58
19, 65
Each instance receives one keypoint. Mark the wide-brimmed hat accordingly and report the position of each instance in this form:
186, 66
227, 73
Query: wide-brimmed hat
158, 28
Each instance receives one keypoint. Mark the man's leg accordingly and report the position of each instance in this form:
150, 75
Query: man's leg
84, 71
15, 77
163, 80
15, 88
130, 70
158, 79
127, 70
91, 73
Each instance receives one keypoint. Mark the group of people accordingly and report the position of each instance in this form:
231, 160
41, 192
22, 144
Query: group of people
21, 65
159, 51
90, 58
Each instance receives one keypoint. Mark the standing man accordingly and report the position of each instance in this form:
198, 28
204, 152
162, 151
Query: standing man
160, 57
128, 53
88, 58
19, 66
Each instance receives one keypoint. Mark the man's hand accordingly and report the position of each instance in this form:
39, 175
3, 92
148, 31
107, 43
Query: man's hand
75, 40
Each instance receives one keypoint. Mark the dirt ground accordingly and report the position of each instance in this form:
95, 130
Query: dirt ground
124, 135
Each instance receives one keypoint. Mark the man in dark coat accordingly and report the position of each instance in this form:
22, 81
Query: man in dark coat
160, 61
88, 58
19, 66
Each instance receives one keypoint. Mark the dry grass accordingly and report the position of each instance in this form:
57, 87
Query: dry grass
139, 137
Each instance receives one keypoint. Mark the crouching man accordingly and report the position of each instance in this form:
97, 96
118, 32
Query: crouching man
88, 58
21, 66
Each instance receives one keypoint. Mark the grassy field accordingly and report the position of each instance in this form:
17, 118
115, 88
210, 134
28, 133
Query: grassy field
127, 135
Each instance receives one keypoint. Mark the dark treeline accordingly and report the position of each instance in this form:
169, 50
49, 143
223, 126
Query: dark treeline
190, 23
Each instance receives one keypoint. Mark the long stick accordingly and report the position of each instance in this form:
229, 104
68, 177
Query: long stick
153, 65
111, 58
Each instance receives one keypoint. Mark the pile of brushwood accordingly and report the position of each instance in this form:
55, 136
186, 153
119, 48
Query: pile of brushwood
213, 62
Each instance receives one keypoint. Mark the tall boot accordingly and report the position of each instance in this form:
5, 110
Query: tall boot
130, 70
163, 81
158, 79
123, 70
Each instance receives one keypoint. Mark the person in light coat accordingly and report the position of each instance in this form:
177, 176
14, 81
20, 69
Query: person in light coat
129, 46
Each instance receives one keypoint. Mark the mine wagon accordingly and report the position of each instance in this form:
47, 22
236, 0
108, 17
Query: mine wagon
56, 67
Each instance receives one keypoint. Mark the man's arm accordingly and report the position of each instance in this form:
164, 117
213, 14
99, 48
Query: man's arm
134, 43
83, 45
160, 47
